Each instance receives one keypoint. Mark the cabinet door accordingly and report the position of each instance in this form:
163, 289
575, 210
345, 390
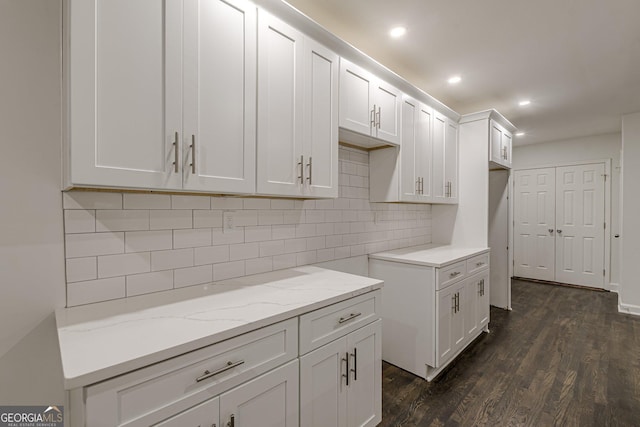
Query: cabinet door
446, 301
323, 388
269, 400
483, 308
424, 148
321, 120
457, 323
280, 169
125, 93
472, 298
219, 95
451, 162
387, 101
206, 414
409, 177
356, 98
495, 144
438, 164
507, 141
364, 394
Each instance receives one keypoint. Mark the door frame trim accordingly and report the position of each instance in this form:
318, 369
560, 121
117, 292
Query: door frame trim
607, 285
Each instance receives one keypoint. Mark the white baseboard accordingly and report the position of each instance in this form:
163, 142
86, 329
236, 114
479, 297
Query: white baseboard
628, 308
614, 287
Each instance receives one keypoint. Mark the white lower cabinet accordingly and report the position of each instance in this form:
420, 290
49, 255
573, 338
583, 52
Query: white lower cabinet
340, 382
430, 314
257, 378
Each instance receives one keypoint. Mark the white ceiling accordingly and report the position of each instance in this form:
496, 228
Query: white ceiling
577, 60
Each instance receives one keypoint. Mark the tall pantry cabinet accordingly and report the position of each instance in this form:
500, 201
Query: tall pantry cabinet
161, 95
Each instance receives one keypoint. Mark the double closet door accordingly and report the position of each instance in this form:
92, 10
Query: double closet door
559, 224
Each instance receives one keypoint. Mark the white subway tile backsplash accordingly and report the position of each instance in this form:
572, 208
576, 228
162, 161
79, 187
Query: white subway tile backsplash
79, 221
122, 220
93, 244
257, 234
129, 244
193, 276
146, 283
207, 219
190, 202
226, 203
258, 265
228, 270
123, 264
145, 241
170, 219
82, 269
79, 293
211, 254
91, 200
244, 251
146, 201
284, 261
191, 238
169, 260
228, 237
257, 204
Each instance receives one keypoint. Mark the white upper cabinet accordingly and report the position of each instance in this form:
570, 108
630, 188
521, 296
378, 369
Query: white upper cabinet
297, 113
162, 94
500, 145
219, 95
445, 160
125, 93
368, 106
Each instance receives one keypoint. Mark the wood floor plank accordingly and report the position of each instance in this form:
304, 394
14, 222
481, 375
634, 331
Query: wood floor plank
563, 356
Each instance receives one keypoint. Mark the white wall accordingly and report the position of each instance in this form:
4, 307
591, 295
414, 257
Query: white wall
598, 147
630, 233
31, 243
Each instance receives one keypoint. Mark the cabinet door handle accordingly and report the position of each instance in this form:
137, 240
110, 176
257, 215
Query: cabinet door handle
421, 185
301, 164
355, 364
453, 302
457, 302
193, 154
479, 264
346, 359
175, 153
378, 118
418, 185
230, 365
550, 230
559, 231
349, 317
232, 421
310, 165
373, 117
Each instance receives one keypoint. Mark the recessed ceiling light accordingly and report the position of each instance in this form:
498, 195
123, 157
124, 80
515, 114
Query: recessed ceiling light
524, 102
520, 134
397, 32
454, 80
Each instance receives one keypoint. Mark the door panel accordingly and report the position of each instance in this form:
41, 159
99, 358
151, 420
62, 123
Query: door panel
364, 394
408, 163
424, 149
220, 101
356, 90
534, 224
387, 99
580, 225
438, 133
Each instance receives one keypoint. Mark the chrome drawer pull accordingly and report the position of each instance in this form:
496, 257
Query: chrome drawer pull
349, 317
479, 264
230, 365
454, 274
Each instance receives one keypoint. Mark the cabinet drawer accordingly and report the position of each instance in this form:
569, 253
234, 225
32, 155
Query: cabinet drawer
152, 394
450, 274
326, 324
477, 263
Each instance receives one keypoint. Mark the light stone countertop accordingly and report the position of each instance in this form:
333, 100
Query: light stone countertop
99, 341
432, 255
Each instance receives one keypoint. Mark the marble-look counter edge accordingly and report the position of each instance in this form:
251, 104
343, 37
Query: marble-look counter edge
81, 379
422, 256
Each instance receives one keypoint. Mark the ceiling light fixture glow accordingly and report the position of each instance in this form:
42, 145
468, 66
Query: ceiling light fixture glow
397, 32
454, 80
524, 103
520, 134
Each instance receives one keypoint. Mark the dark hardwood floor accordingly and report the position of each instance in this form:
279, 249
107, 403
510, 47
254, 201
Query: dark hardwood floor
564, 356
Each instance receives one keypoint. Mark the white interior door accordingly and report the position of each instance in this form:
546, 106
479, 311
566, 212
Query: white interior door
580, 225
534, 224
